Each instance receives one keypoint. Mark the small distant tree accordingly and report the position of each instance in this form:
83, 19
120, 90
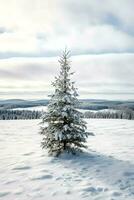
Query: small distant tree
63, 127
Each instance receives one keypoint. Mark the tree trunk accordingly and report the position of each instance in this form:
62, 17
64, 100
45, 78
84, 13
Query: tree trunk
64, 145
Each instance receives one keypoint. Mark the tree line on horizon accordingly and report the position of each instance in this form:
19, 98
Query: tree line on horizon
32, 114
19, 114
118, 114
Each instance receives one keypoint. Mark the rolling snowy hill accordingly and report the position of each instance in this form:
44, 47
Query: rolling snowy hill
104, 172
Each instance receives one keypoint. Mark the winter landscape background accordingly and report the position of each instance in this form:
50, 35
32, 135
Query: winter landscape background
100, 35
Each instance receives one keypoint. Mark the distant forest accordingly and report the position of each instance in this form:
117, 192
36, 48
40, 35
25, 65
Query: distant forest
19, 114
118, 114
28, 114
121, 109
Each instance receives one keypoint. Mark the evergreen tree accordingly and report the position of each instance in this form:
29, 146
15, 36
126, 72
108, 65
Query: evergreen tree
65, 129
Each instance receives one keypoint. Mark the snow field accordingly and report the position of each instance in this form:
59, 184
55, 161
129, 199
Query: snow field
104, 172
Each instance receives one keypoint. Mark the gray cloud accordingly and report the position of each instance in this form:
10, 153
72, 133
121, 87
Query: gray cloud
41, 28
2, 30
5, 30
93, 12
95, 74
100, 35
27, 69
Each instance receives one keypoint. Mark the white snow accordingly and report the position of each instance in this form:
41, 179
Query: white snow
35, 108
103, 110
42, 108
104, 172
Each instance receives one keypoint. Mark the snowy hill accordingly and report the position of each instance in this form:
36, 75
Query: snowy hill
43, 108
104, 172
86, 104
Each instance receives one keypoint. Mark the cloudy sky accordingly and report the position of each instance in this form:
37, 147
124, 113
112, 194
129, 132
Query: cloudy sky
99, 33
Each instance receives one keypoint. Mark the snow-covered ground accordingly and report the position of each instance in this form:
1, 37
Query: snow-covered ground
104, 110
104, 172
35, 108
42, 108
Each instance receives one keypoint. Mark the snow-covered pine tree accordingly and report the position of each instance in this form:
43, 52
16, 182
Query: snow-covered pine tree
63, 129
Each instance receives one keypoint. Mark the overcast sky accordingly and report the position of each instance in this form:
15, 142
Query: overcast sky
99, 33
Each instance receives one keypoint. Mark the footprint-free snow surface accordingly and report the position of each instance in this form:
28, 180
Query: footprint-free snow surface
104, 172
